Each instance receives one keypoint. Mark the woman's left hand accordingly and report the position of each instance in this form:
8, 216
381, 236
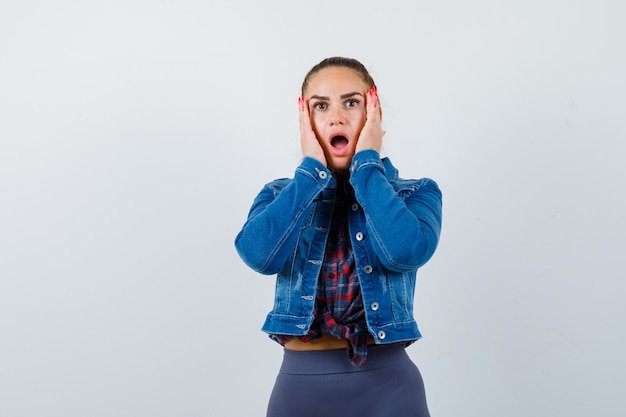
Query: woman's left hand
371, 136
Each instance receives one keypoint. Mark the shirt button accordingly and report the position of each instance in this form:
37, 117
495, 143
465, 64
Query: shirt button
323, 175
368, 269
381, 334
359, 236
374, 307
355, 207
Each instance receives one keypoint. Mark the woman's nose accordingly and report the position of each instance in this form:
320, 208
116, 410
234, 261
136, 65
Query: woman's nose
337, 117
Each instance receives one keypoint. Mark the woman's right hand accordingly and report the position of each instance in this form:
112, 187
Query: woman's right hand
308, 140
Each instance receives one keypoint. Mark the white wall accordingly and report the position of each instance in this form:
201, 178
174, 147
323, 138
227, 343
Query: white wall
135, 134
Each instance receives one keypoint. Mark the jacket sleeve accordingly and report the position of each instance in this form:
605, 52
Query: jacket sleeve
404, 231
271, 230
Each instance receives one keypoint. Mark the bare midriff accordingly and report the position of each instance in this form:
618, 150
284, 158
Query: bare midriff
326, 342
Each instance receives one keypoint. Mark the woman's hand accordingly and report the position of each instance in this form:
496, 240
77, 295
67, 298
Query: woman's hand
308, 141
371, 136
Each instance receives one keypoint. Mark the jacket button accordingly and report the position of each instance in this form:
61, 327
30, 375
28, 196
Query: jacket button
355, 207
359, 236
381, 334
323, 175
374, 306
368, 269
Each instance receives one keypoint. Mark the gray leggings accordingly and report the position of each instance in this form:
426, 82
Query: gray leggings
323, 383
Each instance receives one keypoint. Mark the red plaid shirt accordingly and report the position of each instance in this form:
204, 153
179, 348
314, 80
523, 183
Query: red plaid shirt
339, 304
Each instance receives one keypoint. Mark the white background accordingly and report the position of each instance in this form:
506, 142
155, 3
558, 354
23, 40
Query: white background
135, 134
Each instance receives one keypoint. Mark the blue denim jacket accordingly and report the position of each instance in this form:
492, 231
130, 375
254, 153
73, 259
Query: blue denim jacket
394, 226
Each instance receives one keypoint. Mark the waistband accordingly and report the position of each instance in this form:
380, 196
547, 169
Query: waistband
316, 362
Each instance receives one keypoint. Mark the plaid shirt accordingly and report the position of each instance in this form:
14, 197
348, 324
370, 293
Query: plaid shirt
339, 304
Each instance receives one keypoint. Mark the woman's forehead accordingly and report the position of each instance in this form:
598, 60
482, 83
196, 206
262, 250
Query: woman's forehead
335, 81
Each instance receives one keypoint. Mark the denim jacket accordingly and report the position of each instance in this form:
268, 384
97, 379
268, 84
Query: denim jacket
394, 227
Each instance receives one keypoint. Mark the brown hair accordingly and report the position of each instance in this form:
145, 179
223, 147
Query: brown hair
338, 61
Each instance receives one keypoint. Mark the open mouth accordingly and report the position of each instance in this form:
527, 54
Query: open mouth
339, 142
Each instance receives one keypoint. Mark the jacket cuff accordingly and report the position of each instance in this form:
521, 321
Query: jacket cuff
314, 169
364, 159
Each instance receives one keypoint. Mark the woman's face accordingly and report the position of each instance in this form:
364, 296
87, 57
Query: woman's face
336, 97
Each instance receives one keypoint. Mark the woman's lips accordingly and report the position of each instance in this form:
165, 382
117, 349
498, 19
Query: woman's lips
339, 145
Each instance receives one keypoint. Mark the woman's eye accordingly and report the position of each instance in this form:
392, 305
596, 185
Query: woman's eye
352, 103
320, 106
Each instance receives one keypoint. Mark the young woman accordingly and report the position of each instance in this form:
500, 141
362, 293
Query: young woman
345, 237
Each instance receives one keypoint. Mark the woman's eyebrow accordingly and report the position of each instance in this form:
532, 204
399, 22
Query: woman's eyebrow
354, 93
